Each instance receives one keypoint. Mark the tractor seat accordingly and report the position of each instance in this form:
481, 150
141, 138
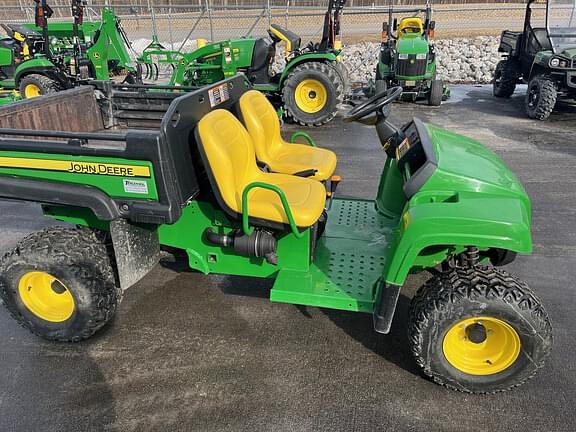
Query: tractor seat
263, 125
281, 34
228, 154
412, 25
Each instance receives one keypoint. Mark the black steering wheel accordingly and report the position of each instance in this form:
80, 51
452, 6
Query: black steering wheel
372, 105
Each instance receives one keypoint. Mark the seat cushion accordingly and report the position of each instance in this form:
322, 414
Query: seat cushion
230, 160
293, 158
307, 199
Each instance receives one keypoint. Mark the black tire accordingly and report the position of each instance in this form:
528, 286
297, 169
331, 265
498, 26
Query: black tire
436, 93
447, 299
326, 76
44, 85
505, 79
380, 87
344, 76
79, 259
540, 98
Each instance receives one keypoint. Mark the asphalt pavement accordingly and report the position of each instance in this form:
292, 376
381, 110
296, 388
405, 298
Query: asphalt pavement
188, 352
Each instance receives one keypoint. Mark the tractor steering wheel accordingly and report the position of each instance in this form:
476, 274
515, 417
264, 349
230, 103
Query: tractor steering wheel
372, 105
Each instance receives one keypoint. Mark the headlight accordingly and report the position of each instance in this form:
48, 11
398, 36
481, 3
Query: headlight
403, 56
555, 62
421, 56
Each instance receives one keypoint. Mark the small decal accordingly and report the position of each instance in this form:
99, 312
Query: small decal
218, 95
402, 149
135, 186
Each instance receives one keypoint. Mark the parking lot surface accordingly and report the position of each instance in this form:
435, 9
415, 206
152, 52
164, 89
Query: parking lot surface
188, 352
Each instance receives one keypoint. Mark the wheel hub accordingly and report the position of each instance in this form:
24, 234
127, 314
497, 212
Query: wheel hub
311, 96
481, 345
46, 296
32, 90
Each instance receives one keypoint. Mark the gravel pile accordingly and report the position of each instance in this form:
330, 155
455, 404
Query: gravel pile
460, 60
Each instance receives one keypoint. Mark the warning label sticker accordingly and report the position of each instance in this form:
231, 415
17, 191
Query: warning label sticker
218, 95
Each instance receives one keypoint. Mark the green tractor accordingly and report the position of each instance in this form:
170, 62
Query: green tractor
544, 58
408, 59
219, 187
309, 88
42, 58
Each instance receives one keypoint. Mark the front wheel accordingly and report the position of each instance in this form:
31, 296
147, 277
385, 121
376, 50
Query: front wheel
436, 93
478, 330
312, 93
35, 85
60, 283
541, 98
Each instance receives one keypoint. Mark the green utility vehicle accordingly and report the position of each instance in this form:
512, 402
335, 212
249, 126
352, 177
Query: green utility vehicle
309, 88
408, 59
193, 188
544, 58
40, 58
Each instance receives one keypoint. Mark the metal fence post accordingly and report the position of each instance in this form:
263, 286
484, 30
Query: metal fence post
269, 12
210, 20
170, 26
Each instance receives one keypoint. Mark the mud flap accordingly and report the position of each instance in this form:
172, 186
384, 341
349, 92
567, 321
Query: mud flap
384, 307
137, 250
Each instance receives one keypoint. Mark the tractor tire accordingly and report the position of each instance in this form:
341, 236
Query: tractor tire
478, 330
436, 93
380, 87
60, 283
540, 98
505, 79
35, 85
311, 93
344, 76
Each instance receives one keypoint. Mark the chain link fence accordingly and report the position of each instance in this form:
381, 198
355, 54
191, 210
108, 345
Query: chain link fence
175, 24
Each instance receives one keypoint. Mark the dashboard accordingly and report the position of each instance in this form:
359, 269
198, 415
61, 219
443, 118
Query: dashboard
415, 156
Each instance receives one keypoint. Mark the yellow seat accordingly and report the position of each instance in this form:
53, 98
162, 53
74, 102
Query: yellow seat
229, 156
262, 123
410, 25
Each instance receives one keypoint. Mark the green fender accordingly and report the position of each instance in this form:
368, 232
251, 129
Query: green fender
40, 64
429, 231
317, 57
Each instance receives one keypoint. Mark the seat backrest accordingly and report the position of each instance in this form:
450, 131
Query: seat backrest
410, 25
229, 155
292, 40
262, 123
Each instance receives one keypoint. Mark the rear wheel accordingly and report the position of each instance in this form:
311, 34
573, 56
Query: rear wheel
35, 85
505, 79
436, 93
541, 98
312, 93
60, 283
478, 330
344, 76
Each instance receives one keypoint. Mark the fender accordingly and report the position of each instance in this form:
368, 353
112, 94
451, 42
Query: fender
485, 222
39, 65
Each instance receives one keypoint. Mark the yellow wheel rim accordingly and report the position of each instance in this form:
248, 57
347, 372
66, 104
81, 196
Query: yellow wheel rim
32, 90
311, 96
481, 345
45, 296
